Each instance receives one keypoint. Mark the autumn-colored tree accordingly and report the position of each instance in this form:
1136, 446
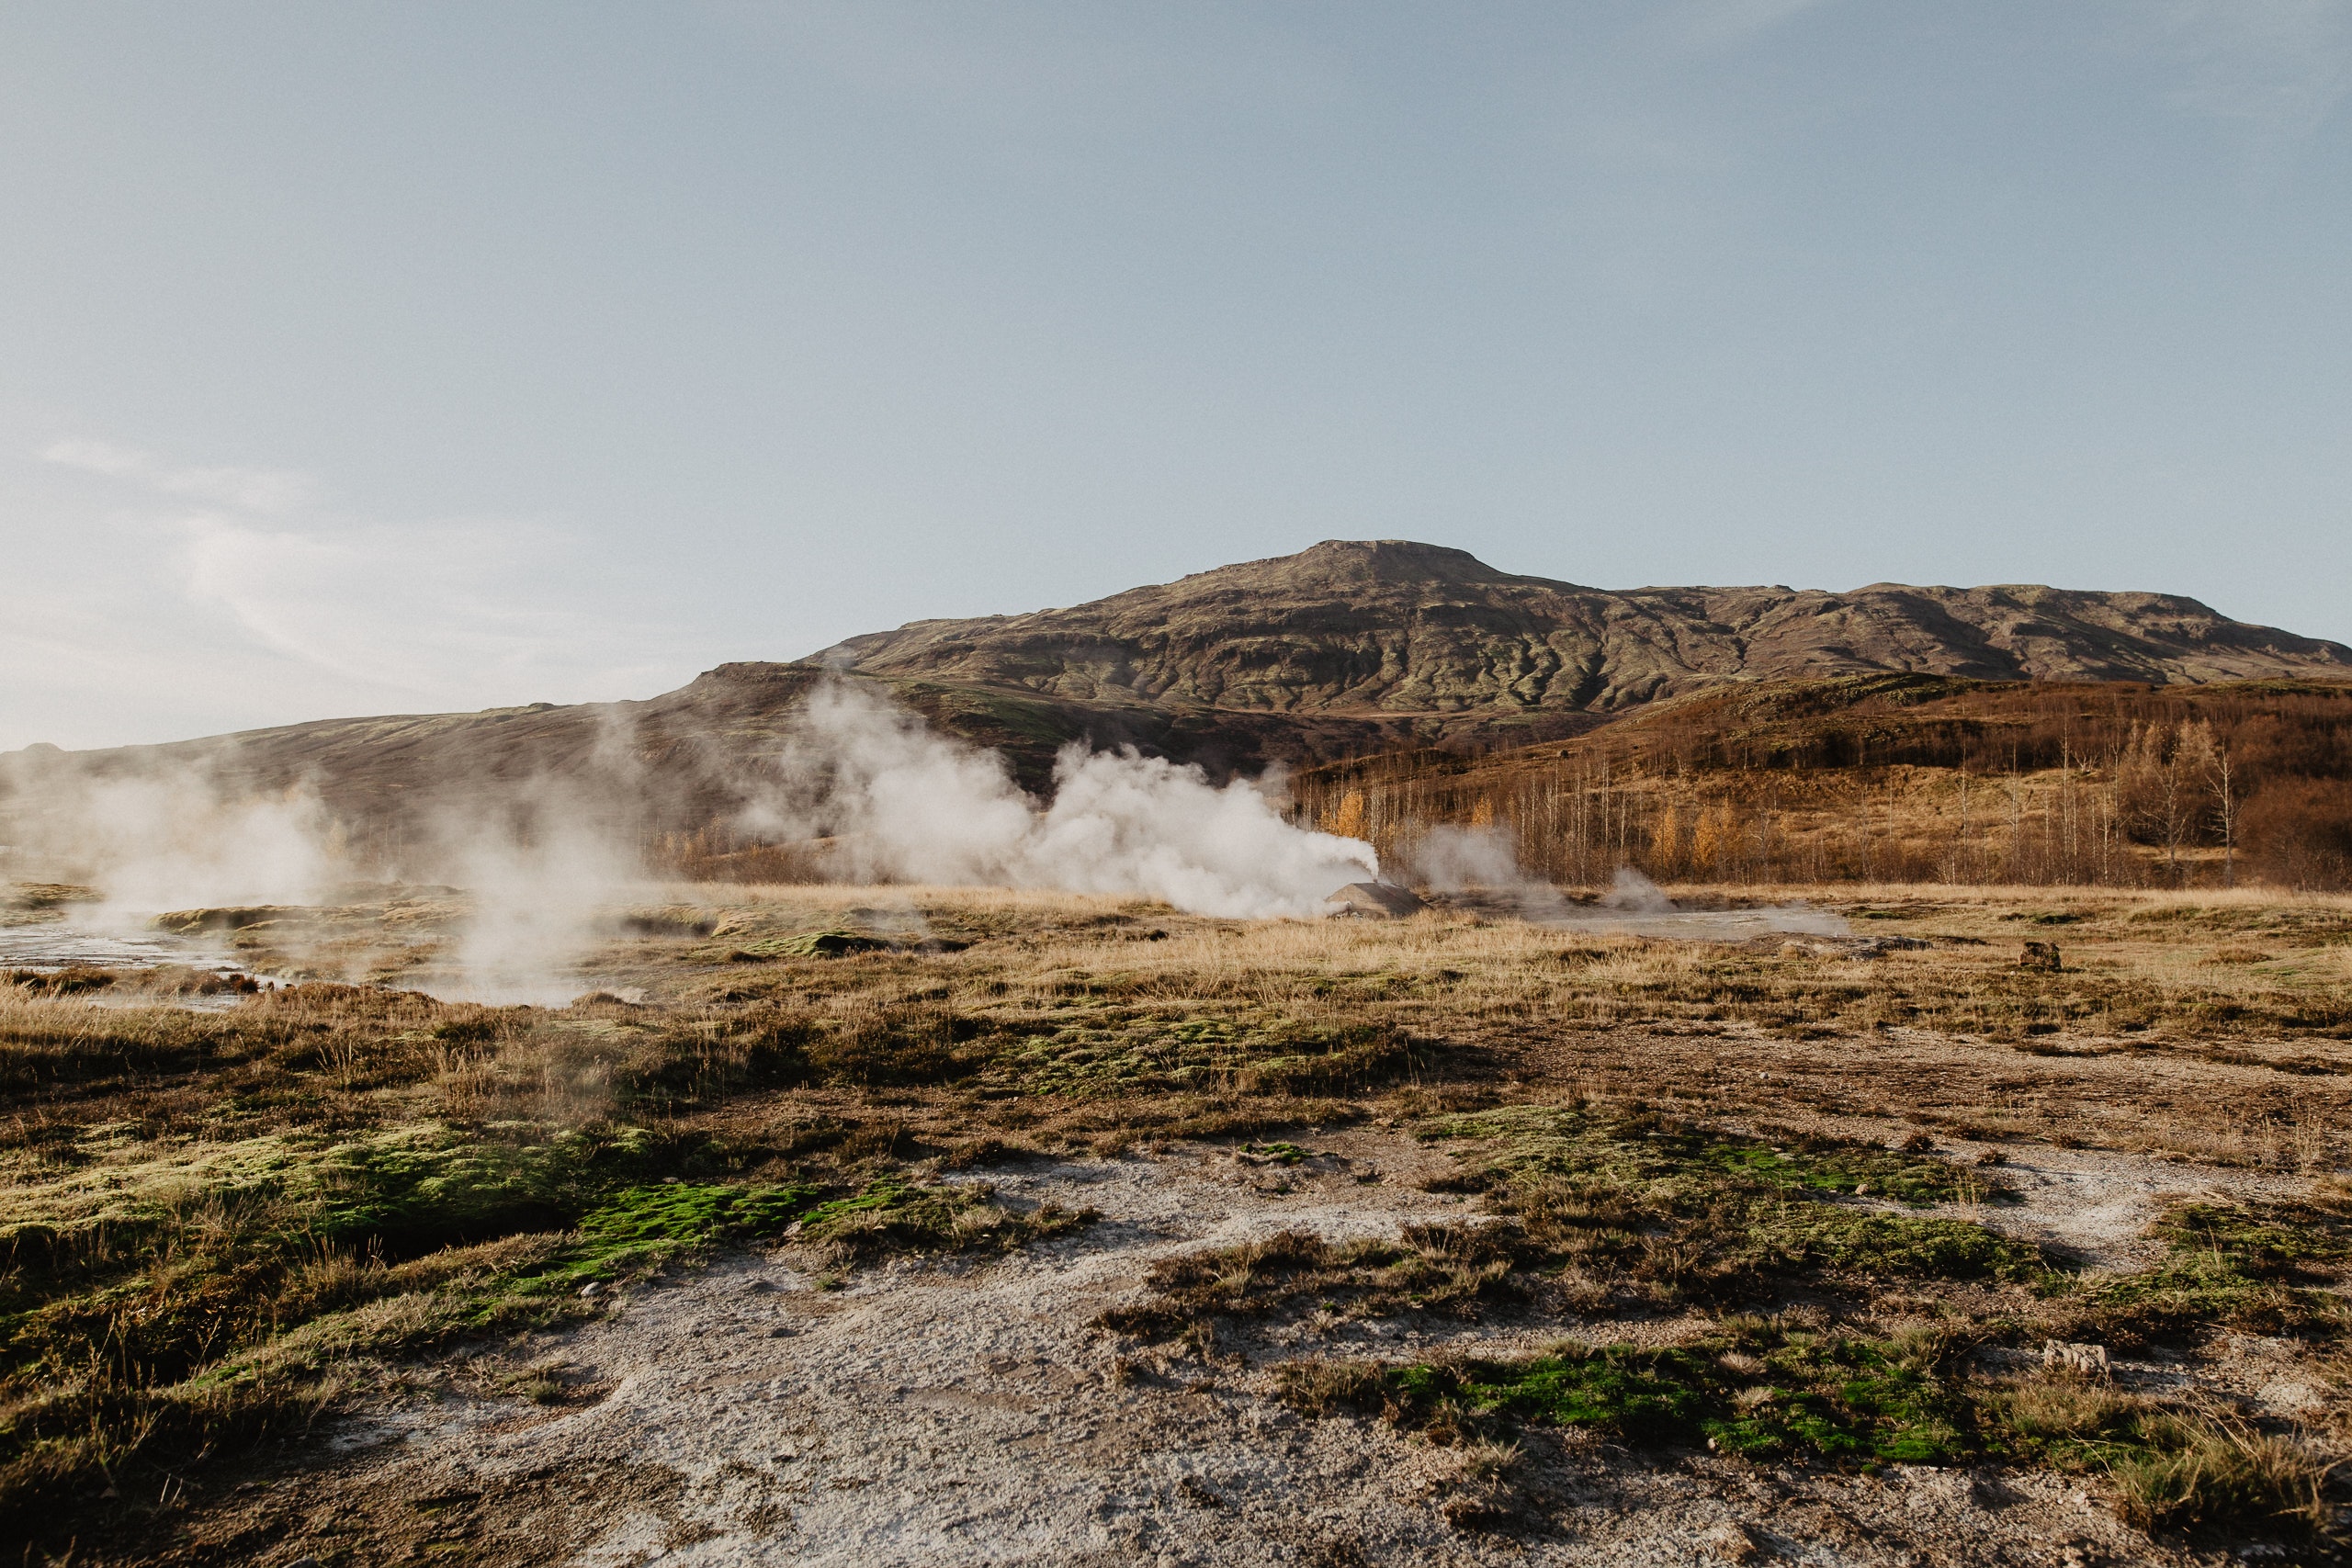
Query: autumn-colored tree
2221, 779
1665, 840
1713, 839
1347, 821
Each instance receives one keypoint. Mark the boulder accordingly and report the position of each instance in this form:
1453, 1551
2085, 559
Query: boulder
1375, 901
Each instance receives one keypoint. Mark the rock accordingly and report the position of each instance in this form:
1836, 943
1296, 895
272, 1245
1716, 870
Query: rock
1730, 1542
1375, 901
1198, 1493
1880, 947
832, 943
592, 1288
2088, 1360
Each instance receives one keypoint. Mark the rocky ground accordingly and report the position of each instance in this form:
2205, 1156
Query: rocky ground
937, 1411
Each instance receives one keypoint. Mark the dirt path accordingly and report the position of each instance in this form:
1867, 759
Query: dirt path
972, 1414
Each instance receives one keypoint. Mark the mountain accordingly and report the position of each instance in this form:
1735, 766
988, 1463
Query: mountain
1348, 649
1395, 630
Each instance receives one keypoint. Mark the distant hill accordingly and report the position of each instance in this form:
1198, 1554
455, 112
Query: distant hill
1393, 629
1346, 649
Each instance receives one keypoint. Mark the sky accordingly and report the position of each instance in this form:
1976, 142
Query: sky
416, 357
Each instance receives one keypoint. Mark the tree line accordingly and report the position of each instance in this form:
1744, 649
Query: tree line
1902, 778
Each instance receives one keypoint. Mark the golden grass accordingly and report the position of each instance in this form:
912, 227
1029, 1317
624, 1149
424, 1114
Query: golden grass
2211, 1026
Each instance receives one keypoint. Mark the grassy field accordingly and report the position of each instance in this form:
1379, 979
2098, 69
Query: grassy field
218, 1223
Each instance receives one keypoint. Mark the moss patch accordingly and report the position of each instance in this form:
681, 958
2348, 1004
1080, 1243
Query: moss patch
1760, 1392
1634, 1147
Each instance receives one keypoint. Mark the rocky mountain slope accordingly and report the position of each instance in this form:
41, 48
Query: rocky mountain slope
1348, 649
1393, 627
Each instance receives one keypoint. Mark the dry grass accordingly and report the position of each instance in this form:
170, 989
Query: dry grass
996, 1023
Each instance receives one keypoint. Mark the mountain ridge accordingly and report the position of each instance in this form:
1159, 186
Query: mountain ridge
1345, 649
1398, 627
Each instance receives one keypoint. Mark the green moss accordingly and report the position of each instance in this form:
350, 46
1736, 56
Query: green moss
2262, 1240
2256, 1266
1761, 1392
695, 1214
1128, 1054
638, 1227
892, 1213
1607, 1192
1629, 1148
416, 1189
1900, 1245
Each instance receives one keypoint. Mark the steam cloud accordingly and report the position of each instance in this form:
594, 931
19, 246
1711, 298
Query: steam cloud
900, 802
1632, 893
1460, 860
869, 789
1455, 860
543, 861
169, 839
537, 862
543, 876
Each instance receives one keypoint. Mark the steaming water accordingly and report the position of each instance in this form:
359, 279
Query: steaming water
1480, 862
58, 945
47, 947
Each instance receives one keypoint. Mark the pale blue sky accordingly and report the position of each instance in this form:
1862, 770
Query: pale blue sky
398, 356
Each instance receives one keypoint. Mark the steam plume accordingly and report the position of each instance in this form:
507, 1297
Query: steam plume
900, 801
1454, 859
1458, 860
171, 838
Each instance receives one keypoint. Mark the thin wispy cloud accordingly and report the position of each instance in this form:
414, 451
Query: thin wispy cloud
2273, 71
427, 609
272, 491
1725, 24
258, 595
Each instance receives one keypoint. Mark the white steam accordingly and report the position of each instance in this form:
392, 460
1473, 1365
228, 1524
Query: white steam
170, 839
1455, 860
541, 879
543, 861
900, 802
1632, 893
1484, 860
535, 865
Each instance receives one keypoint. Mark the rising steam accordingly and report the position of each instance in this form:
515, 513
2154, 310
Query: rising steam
895, 800
542, 861
1485, 859
543, 875
1457, 860
170, 838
